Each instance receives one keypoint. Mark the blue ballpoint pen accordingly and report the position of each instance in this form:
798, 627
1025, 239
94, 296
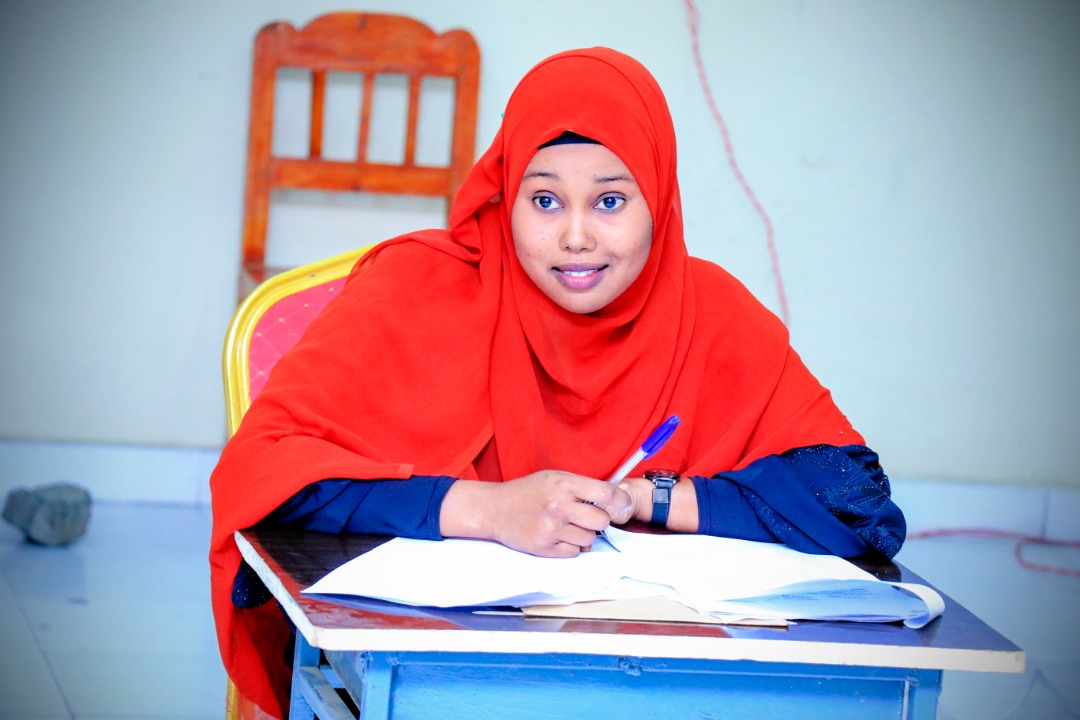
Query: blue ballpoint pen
648, 448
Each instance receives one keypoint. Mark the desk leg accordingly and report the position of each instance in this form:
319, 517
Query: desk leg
312, 693
924, 687
378, 684
368, 678
304, 656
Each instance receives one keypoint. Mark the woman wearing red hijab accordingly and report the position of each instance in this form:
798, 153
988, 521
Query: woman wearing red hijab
482, 381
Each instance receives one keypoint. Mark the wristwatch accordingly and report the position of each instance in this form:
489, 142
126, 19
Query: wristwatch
663, 481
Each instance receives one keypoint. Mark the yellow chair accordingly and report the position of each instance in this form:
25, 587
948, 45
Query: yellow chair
269, 322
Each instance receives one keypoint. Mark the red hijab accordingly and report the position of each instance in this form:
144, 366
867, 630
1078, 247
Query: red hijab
440, 350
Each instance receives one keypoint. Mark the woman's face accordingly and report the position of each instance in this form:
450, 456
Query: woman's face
582, 229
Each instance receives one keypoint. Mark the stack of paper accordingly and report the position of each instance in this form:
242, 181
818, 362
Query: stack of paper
725, 578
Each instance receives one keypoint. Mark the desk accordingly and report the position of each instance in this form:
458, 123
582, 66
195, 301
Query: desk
401, 662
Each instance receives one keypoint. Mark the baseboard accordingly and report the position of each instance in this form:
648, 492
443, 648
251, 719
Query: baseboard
131, 473
123, 473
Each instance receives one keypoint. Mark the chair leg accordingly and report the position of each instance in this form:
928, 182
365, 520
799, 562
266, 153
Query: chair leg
238, 707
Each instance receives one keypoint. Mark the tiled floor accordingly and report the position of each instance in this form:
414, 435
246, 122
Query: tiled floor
118, 626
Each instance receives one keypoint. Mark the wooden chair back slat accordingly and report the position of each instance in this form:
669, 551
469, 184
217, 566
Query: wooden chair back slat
410, 124
318, 106
337, 176
365, 117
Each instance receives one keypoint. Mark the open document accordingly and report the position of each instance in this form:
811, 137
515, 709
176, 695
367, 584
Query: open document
719, 577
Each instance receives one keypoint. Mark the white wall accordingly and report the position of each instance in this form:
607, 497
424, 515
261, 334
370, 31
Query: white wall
920, 161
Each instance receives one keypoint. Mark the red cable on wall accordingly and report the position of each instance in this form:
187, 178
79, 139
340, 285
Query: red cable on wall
693, 17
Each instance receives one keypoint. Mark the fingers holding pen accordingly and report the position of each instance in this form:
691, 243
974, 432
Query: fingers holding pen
597, 504
552, 512
548, 513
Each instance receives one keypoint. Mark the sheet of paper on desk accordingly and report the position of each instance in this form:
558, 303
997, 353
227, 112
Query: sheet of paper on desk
768, 580
701, 572
462, 573
855, 600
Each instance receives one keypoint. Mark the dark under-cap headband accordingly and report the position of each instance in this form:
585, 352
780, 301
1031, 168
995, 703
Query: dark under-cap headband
569, 138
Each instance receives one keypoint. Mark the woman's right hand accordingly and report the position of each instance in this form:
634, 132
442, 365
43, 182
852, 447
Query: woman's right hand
548, 513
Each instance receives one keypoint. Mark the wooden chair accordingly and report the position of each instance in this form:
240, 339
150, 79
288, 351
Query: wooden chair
269, 322
369, 45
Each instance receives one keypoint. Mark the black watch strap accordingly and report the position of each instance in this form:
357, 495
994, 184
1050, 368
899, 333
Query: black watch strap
663, 481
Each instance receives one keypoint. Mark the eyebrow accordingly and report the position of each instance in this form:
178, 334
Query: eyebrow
539, 174
600, 180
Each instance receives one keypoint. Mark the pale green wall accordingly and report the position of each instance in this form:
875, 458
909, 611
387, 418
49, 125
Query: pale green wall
920, 161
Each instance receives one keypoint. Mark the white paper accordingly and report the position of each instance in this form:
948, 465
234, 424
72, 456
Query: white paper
457, 573
719, 576
716, 567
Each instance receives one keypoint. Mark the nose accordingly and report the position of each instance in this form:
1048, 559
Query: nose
577, 234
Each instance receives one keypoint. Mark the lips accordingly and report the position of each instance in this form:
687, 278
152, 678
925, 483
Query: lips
579, 276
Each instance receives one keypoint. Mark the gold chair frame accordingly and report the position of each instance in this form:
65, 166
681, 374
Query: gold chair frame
235, 359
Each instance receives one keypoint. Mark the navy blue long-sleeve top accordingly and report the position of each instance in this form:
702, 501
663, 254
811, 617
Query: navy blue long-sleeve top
821, 499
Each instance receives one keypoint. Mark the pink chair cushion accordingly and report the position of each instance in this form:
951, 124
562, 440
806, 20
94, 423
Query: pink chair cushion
281, 326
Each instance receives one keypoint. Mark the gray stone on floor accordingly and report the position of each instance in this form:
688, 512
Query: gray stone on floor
55, 514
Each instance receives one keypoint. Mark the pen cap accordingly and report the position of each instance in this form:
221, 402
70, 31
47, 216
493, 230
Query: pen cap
660, 436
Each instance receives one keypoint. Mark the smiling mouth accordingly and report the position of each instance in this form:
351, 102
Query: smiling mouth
579, 277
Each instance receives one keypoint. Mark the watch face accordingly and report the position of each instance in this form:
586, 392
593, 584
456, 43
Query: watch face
664, 476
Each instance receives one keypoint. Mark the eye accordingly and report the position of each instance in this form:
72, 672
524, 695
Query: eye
546, 202
610, 202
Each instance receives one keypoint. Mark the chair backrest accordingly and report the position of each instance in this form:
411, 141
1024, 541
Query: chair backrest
270, 321
367, 45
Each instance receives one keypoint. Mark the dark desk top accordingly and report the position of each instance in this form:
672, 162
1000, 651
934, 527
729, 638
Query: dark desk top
289, 561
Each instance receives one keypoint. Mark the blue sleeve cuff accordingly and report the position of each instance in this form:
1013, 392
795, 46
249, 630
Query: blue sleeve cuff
723, 511
403, 508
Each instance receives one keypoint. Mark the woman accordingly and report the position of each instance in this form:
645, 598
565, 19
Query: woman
503, 368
